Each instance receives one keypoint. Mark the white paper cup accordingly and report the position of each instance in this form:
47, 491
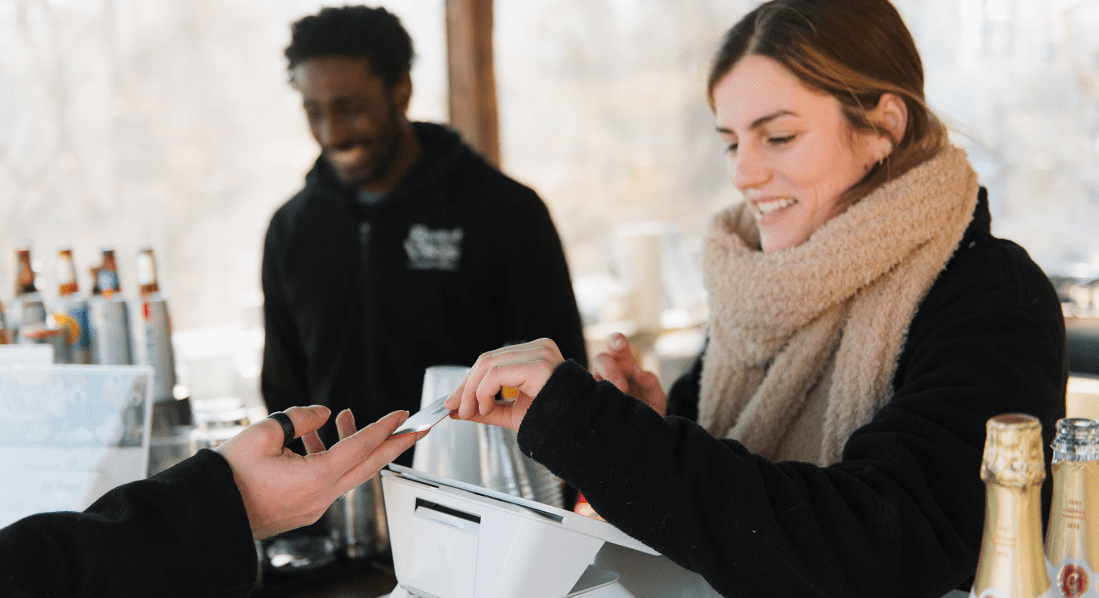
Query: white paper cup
450, 450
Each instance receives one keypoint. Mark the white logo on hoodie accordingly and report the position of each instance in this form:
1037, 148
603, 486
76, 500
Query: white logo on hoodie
433, 249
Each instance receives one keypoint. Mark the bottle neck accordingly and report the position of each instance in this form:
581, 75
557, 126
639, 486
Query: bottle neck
1012, 562
1074, 515
107, 277
24, 279
66, 276
146, 273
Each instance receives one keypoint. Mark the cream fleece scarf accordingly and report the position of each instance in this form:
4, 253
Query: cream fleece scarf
847, 294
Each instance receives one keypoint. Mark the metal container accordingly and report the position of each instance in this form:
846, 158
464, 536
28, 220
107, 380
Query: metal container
152, 335
110, 330
40, 335
25, 311
71, 314
357, 521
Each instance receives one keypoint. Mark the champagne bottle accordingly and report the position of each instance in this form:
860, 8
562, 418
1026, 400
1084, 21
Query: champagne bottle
70, 311
1072, 537
1011, 562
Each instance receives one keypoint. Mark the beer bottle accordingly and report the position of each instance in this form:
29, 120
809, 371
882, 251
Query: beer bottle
107, 277
153, 329
26, 309
67, 284
146, 271
109, 315
24, 277
4, 338
1072, 537
70, 311
1011, 563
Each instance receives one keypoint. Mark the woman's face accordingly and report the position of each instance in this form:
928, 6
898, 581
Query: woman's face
791, 151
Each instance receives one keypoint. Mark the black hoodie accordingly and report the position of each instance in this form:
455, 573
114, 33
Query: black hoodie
360, 298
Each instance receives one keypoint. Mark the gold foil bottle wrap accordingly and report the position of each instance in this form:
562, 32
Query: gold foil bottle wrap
1012, 563
1072, 539
1013, 451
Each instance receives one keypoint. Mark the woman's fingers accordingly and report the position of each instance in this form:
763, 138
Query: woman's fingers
604, 367
526, 367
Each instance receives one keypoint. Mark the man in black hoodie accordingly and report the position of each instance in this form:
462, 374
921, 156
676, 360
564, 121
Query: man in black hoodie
405, 249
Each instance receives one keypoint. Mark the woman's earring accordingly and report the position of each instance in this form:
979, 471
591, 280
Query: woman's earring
885, 154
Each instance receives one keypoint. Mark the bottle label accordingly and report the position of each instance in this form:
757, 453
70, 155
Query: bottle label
1073, 579
107, 280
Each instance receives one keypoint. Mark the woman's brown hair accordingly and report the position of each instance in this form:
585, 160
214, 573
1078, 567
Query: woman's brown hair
854, 50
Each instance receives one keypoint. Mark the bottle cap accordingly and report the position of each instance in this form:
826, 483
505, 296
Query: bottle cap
1013, 450
1077, 439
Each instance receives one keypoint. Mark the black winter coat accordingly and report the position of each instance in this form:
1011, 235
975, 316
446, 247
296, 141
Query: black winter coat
181, 533
360, 298
900, 515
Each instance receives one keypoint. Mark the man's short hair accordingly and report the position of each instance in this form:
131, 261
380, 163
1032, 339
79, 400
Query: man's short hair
353, 32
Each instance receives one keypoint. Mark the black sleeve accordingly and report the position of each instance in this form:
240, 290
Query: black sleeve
183, 532
283, 375
900, 515
541, 302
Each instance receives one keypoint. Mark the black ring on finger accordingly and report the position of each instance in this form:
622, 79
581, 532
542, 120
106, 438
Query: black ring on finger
288, 432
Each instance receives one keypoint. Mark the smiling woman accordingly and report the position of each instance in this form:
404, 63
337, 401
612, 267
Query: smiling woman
864, 325
794, 154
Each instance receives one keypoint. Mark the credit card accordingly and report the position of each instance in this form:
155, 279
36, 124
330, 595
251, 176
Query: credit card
424, 419
435, 412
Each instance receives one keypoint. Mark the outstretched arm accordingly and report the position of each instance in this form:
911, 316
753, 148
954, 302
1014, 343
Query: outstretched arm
190, 530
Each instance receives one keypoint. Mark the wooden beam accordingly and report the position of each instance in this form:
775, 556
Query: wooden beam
471, 77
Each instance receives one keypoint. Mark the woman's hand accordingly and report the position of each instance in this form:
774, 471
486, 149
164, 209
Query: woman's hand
527, 367
283, 490
618, 365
